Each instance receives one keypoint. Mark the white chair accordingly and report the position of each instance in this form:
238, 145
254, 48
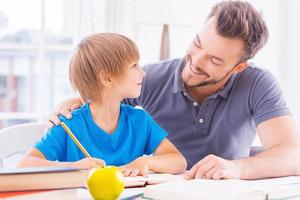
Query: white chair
16, 140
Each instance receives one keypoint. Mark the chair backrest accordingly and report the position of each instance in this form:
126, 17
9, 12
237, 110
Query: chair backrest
16, 140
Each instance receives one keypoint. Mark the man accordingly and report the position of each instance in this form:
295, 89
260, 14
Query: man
212, 103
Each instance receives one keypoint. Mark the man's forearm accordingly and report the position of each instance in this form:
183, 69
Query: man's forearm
281, 160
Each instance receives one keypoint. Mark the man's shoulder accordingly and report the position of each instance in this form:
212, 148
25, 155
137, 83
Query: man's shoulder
254, 82
255, 74
163, 68
160, 75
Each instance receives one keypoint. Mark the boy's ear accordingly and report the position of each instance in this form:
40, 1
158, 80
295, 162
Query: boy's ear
105, 79
241, 67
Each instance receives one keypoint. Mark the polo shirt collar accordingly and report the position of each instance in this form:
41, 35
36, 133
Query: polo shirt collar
177, 83
227, 88
179, 87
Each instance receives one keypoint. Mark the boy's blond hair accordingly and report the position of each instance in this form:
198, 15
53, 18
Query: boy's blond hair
102, 53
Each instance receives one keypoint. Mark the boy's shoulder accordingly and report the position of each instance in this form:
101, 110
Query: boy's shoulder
77, 114
133, 111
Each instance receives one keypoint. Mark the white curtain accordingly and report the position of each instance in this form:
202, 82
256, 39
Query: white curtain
289, 70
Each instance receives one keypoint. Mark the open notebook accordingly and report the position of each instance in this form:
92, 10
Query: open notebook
152, 179
283, 188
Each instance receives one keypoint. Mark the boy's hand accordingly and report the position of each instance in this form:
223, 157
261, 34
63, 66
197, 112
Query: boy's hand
139, 166
89, 163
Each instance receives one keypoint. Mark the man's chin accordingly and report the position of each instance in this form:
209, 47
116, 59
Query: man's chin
197, 84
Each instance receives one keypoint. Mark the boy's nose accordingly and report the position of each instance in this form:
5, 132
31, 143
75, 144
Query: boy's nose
143, 73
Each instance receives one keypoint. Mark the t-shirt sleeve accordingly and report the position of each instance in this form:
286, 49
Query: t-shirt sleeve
52, 145
155, 135
267, 99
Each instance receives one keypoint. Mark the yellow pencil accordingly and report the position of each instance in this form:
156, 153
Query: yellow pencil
75, 139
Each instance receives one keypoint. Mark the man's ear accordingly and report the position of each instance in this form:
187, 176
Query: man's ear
105, 79
241, 67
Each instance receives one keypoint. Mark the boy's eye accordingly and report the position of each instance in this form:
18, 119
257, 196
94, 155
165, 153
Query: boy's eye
134, 65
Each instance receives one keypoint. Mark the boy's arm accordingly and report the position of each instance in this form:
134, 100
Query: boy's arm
166, 159
35, 158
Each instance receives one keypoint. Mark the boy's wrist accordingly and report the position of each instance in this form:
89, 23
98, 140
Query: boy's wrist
149, 161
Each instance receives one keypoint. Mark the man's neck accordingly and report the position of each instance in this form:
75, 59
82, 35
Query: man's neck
200, 93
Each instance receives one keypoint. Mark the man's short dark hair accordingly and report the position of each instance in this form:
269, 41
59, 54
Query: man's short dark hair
240, 20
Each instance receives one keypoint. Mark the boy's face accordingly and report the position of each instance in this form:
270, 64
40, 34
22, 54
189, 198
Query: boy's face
130, 84
211, 58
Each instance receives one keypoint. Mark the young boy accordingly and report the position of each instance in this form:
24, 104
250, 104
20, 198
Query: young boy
105, 70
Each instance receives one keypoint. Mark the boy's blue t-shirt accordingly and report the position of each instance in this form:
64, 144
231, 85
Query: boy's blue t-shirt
136, 134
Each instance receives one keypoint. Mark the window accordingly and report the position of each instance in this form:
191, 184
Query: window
36, 43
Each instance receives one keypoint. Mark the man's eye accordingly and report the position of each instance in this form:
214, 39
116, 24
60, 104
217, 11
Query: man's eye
197, 45
214, 61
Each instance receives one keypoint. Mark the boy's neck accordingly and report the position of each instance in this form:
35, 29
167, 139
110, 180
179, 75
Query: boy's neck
106, 114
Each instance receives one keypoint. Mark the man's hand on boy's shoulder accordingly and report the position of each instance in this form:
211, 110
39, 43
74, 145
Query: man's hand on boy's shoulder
54, 117
64, 108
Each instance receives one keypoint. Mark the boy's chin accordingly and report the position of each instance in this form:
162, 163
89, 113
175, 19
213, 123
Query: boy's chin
135, 95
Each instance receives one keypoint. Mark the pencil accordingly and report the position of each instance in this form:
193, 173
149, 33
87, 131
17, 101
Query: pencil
75, 139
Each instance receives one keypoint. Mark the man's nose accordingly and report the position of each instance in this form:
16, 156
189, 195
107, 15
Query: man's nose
198, 59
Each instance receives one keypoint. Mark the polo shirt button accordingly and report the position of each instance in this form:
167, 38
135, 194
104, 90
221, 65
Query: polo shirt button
185, 94
195, 104
201, 120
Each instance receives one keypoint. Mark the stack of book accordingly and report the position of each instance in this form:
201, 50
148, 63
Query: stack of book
41, 178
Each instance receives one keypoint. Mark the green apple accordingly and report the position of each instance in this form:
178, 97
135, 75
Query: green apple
105, 183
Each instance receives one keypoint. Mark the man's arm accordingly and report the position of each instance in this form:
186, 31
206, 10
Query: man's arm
64, 108
281, 140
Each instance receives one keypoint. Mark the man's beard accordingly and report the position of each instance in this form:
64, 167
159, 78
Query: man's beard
211, 82
206, 82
